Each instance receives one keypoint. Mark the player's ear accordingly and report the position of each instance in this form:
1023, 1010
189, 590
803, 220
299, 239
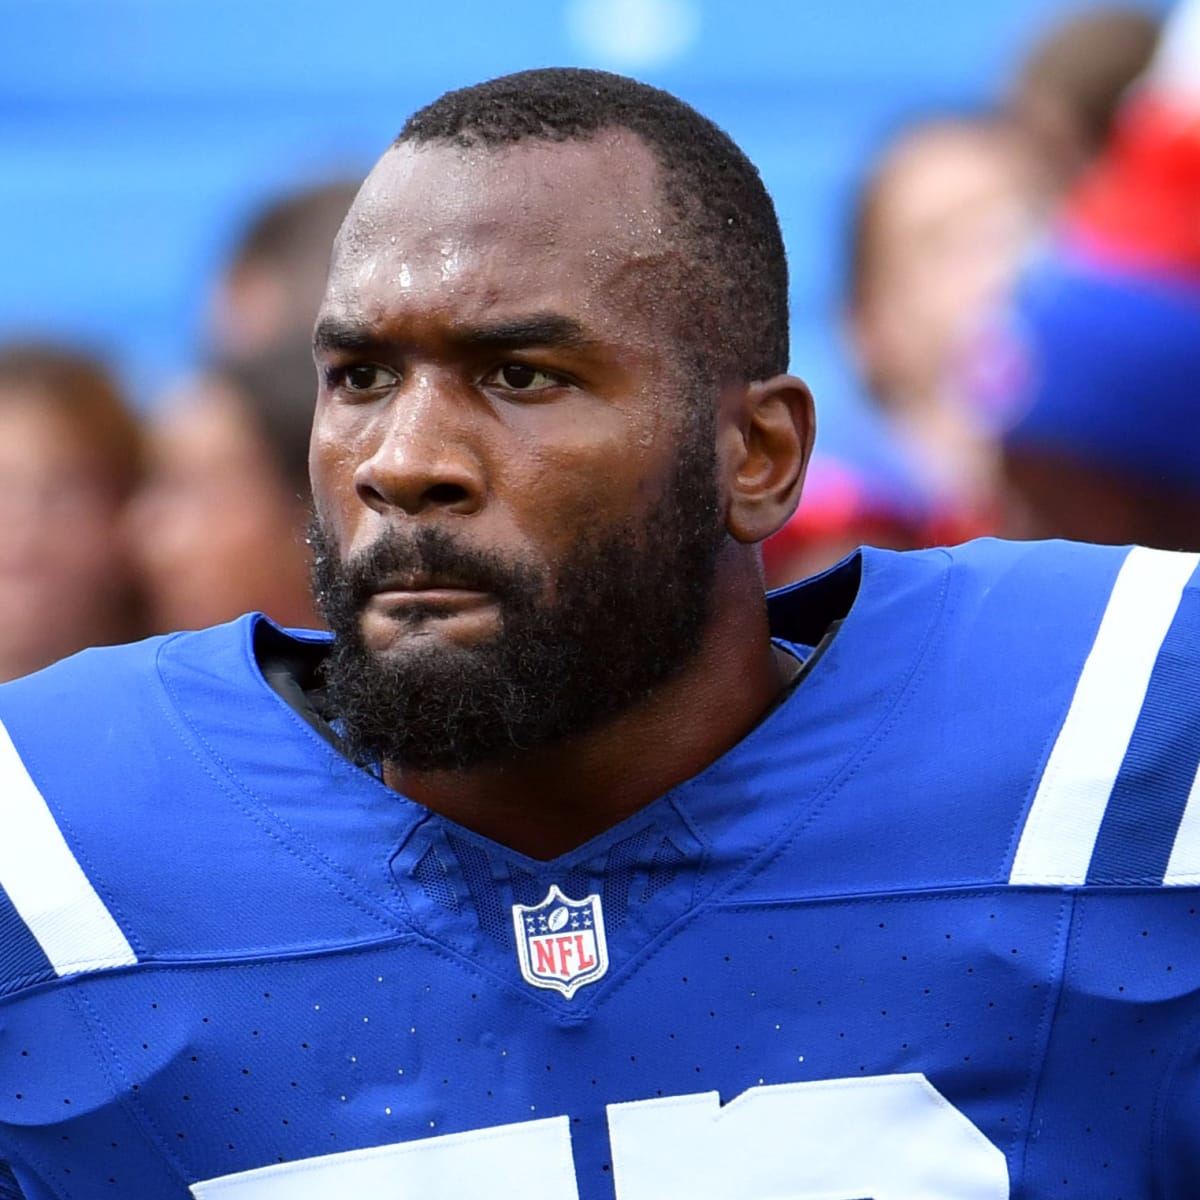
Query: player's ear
766, 443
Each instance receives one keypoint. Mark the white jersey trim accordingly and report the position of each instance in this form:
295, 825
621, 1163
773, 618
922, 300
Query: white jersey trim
1063, 822
45, 882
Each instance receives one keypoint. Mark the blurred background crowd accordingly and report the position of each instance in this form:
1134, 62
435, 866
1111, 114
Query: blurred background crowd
992, 212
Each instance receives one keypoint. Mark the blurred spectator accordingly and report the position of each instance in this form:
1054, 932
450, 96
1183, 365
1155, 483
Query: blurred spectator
1101, 395
941, 226
1139, 204
1067, 90
219, 528
275, 278
1104, 385
70, 456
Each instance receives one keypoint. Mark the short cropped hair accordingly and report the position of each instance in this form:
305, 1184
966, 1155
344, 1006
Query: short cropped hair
738, 276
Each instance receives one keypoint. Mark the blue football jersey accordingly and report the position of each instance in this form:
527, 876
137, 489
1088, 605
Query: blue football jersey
929, 932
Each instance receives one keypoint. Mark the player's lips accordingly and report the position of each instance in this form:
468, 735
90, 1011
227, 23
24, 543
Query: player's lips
427, 606
427, 592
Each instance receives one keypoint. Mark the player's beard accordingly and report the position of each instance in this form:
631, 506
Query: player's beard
623, 614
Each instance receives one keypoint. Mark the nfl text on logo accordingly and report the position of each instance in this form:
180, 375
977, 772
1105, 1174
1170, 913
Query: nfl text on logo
560, 942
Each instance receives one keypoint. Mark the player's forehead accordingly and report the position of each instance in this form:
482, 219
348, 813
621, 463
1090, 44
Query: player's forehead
525, 181
598, 198
480, 226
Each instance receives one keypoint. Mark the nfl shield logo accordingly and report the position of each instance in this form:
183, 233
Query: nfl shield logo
560, 942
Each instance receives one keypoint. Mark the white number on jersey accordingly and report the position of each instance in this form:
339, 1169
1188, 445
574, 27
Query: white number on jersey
887, 1137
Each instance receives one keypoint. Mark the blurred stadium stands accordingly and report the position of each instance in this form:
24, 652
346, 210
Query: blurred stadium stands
136, 135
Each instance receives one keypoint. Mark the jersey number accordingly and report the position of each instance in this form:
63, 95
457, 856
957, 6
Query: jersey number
883, 1137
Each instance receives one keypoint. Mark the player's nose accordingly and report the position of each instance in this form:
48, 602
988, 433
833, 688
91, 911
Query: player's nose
426, 457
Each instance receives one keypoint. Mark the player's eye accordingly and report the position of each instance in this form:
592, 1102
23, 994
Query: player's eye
520, 377
358, 378
362, 377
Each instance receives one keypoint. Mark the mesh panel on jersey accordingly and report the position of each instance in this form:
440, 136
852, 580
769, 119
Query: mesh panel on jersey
494, 918
494, 911
577, 883
10, 1189
618, 875
525, 886
663, 868
430, 873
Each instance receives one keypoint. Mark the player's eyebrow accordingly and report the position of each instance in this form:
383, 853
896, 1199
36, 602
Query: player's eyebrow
334, 333
537, 329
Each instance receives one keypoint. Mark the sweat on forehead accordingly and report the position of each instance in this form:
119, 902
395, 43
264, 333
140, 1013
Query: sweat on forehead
434, 187
502, 233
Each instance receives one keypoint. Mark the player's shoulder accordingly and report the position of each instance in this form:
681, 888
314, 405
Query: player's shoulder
1063, 600
1068, 618
1057, 567
112, 713
129, 777
79, 681
1050, 687
991, 585
949, 585
1115, 802
123, 690
1056, 564
1050, 572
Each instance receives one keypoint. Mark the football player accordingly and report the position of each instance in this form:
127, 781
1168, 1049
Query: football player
568, 865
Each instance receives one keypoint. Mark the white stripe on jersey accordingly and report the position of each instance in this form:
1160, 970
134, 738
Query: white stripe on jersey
1183, 867
1064, 819
45, 882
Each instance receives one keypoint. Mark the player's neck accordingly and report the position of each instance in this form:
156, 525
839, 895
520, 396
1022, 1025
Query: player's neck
549, 800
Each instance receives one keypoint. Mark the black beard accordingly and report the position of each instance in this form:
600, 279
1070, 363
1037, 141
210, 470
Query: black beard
629, 609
